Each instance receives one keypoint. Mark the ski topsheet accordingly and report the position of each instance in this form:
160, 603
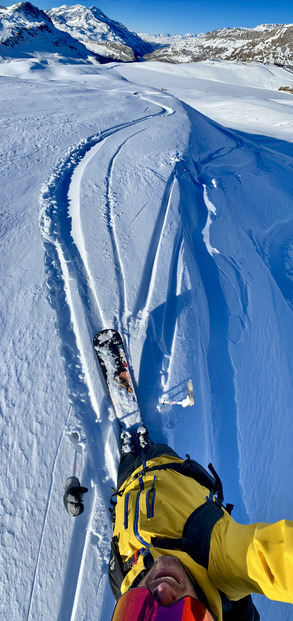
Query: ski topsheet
112, 358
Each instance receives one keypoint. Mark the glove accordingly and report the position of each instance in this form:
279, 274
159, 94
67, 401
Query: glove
73, 496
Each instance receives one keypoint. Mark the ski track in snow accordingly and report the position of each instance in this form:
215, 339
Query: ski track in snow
45, 518
73, 295
190, 256
123, 310
64, 262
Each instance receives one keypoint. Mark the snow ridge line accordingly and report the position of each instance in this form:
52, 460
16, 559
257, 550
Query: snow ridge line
148, 279
211, 209
165, 208
220, 369
170, 320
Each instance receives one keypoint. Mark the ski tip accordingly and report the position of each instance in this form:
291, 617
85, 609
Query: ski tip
105, 335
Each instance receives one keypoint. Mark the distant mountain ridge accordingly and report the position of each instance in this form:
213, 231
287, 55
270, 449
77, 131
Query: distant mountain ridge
267, 43
80, 34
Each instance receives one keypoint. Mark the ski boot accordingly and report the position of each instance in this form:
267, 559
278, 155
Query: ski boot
127, 445
143, 437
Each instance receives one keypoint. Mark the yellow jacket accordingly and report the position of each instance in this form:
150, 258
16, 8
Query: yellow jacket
243, 559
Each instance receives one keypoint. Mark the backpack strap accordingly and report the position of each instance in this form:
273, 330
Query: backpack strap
195, 540
188, 468
241, 610
116, 573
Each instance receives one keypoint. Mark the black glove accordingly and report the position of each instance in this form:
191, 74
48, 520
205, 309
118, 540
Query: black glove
73, 496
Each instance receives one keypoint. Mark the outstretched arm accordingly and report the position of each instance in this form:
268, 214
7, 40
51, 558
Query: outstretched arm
252, 559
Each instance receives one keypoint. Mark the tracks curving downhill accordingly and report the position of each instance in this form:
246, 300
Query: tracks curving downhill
77, 300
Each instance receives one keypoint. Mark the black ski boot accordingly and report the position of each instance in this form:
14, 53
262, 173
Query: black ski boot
143, 437
127, 445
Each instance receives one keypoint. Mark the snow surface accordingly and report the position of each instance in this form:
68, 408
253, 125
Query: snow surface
124, 207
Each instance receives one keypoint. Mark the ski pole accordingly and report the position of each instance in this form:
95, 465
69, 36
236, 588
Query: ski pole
75, 439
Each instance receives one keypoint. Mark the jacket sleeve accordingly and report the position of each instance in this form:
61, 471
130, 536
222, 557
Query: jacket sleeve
257, 558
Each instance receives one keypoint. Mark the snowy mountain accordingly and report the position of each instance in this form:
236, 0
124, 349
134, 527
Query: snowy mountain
99, 33
271, 44
66, 33
26, 31
88, 35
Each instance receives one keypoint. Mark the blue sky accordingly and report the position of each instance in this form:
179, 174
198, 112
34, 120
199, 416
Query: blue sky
183, 16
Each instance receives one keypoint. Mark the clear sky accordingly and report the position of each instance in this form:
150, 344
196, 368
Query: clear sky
183, 16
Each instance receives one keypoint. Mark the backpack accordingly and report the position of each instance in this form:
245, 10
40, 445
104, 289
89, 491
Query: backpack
195, 539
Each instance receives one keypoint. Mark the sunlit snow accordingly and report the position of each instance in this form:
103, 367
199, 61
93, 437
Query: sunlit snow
155, 199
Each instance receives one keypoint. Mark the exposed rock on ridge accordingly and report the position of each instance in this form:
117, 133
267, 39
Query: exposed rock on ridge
269, 43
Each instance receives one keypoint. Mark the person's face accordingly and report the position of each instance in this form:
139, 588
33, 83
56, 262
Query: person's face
168, 581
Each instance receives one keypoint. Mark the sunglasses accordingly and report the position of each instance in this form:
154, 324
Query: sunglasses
140, 605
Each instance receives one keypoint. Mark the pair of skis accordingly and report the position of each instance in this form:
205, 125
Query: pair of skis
112, 359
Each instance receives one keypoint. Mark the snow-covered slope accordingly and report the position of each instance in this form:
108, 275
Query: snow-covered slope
27, 31
217, 88
266, 43
123, 206
99, 33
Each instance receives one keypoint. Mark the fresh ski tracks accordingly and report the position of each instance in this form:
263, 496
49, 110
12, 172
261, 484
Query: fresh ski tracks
74, 295
84, 303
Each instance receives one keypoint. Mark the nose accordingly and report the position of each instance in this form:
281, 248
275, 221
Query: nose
165, 594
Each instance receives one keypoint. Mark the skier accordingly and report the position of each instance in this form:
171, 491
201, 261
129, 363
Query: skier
177, 553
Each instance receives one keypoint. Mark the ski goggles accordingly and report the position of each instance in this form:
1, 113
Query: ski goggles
140, 605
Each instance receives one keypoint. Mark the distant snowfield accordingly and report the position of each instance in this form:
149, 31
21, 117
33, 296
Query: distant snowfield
240, 96
168, 215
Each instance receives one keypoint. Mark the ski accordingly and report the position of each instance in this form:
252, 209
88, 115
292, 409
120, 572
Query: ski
112, 359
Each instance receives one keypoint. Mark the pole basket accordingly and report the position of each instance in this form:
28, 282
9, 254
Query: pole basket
189, 400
